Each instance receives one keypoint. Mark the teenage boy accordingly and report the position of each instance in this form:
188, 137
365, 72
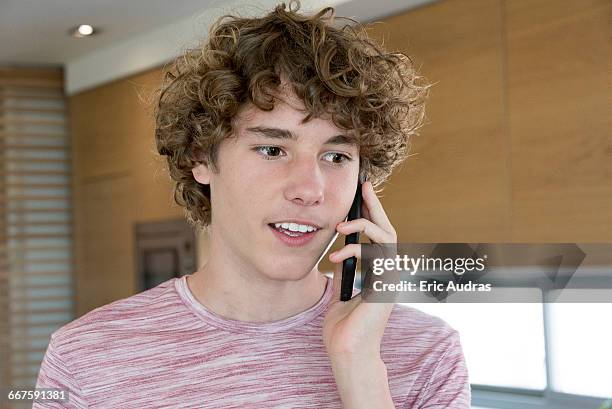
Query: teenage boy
266, 128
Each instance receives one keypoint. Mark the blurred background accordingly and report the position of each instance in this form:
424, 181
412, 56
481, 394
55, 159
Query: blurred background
517, 148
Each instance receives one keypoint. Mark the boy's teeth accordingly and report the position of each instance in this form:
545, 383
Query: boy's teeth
301, 228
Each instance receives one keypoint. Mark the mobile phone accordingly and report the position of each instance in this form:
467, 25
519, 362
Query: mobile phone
350, 264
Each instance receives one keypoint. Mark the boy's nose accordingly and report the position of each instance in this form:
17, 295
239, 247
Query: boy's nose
306, 184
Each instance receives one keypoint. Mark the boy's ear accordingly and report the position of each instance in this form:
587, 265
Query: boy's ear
201, 173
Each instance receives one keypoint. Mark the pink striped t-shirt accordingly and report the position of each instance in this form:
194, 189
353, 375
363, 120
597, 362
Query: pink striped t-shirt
163, 349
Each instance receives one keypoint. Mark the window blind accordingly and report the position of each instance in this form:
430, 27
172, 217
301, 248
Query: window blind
36, 261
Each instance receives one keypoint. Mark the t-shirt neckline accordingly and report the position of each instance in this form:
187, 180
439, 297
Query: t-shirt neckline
233, 325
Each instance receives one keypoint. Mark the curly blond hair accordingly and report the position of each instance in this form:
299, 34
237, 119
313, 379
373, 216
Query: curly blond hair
337, 72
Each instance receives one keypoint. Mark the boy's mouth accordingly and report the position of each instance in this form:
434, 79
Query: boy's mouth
294, 234
294, 229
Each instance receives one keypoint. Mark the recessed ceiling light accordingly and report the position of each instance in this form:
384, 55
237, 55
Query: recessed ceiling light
84, 30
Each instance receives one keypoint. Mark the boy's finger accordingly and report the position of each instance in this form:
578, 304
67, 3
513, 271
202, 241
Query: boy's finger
375, 208
337, 281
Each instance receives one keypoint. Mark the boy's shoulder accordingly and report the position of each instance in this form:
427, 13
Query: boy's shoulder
408, 324
410, 319
415, 343
150, 309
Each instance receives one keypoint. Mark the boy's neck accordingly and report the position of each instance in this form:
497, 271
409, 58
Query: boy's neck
260, 300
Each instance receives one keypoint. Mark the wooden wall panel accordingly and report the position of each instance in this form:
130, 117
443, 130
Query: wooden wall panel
106, 269
456, 187
559, 81
119, 180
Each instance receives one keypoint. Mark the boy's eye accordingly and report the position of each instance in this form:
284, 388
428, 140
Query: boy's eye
269, 152
338, 158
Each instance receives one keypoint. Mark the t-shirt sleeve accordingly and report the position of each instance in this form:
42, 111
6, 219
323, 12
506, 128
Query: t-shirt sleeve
449, 386
54, 373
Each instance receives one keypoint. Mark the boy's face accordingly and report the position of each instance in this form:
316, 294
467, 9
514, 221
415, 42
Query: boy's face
264, 178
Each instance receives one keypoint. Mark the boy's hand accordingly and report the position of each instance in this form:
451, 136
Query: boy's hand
356, 327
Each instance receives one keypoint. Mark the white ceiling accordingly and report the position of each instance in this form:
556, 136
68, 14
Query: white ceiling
36, 31
134, 34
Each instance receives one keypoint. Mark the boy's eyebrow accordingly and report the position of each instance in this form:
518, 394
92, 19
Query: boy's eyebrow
279, 133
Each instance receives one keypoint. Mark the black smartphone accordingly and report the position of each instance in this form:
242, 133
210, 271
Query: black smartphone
350, 264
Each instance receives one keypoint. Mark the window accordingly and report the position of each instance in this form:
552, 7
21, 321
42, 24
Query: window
36, 237
581, 348
534, 355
